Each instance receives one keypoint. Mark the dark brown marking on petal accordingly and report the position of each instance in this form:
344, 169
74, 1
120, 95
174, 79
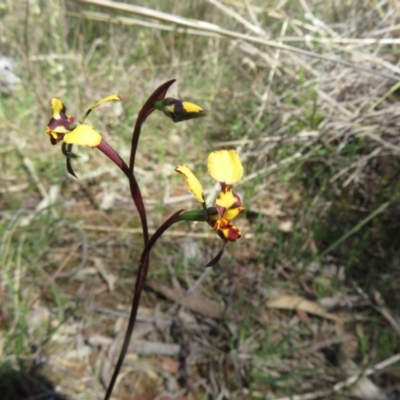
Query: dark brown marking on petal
238, 202
61, 122
233, 233
54, 141
224, 187
221, 210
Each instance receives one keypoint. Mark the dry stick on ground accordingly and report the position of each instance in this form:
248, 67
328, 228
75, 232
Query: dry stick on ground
209, 27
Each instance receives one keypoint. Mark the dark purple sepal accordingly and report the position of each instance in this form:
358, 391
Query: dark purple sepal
215, 260
67, 151
145, 111
69, 166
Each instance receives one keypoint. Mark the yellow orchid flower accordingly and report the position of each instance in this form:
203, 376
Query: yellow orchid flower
63, 127
225, 167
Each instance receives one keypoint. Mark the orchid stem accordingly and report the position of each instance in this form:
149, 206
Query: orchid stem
139, 286
145, 111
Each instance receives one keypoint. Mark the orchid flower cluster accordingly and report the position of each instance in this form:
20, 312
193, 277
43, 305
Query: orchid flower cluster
223, 165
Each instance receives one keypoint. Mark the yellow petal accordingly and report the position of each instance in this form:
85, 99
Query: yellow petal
225, 166
53, 134
232, 213
192, 182
57, 106
191, 108
225, 199
83, 135
113, 97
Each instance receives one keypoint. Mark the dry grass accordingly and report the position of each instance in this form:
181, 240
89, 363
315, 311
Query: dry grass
307, 92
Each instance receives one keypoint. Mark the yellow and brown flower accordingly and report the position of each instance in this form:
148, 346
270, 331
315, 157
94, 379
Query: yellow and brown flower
62, 127
225, 167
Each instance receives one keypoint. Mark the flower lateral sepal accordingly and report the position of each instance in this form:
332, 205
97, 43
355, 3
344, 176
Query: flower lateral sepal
179, 110
216, 259
67, 151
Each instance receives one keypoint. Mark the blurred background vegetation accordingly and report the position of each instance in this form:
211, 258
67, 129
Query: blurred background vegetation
307, 92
